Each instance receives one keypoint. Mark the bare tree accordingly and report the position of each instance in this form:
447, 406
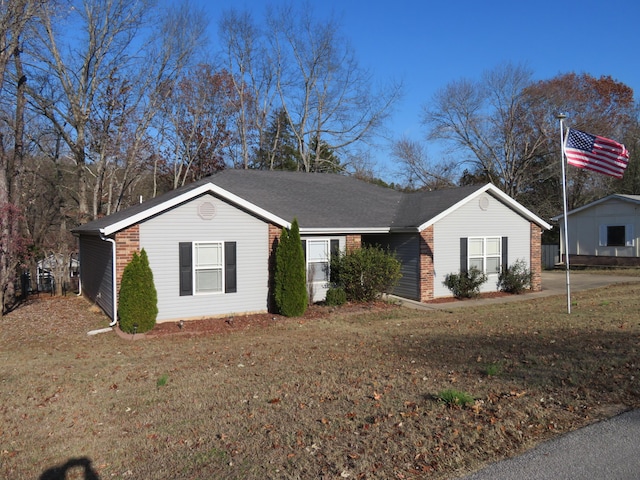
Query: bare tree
121, 53
417, 171
488, 123
329, 100
14, 17
197, 115
252, 73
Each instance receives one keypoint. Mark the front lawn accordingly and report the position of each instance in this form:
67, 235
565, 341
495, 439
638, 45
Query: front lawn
360, 393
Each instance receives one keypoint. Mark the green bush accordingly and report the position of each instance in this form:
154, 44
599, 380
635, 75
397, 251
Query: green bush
365, 273
138, 299
455, 398
336, 296
465, 284
290, 280
516, 278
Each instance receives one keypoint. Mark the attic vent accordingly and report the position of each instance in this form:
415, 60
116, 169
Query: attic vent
483, 202
206, 210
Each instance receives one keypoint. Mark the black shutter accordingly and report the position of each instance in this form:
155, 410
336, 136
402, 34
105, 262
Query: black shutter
186, 274
505, 254
304, 250
463, 254
230, 276
334, 252
334, 248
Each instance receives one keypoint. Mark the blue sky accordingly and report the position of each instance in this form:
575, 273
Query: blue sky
428, 44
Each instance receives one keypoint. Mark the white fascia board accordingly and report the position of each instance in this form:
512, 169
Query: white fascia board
495, 191
626, 198
342, 231
196, 192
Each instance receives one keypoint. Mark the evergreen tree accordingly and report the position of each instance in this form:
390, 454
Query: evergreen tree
290, 275
138, 300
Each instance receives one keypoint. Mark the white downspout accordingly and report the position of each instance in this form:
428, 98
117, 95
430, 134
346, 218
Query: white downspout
113, 276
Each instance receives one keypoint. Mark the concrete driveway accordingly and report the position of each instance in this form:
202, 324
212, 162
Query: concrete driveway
554, 282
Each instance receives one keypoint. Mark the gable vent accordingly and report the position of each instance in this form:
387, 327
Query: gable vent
206, 210
483, 202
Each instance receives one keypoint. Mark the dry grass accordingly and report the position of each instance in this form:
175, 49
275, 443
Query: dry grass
347, 396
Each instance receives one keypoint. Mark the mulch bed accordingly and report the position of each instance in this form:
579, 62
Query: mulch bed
227, 324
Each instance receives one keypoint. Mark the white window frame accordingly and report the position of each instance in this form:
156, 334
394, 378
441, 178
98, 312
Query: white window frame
473, 256
314, 262
216, 267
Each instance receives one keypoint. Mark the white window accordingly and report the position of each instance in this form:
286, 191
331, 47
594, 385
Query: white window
318, 255
485, 254
208, 267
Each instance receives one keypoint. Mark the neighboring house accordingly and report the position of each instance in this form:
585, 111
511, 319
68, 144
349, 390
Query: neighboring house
604, 232
211, 243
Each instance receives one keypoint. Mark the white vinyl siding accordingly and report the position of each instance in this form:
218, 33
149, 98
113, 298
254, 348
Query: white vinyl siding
162, 235
588, 232
475, 219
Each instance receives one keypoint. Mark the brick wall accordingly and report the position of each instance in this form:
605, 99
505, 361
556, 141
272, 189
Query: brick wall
353, 242
127, 242
426, 264
536, 258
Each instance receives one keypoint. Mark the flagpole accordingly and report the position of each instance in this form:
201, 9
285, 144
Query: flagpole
561, 117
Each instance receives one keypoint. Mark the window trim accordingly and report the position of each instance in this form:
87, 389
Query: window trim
220, 267
501, 242
309, 263
187, 270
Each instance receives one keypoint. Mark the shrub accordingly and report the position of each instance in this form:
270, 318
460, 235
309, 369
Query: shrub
365, 273
516, 278
290, 276
465, 284
336, 296
138, 299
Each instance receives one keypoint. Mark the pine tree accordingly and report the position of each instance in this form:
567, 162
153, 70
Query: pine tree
138, 300
290, 276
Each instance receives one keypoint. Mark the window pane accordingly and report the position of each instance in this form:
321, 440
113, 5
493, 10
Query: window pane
476, 246
615, 236
208, 254
318, 250
493, 246
318, 272
209, 280
476, 263
493, 265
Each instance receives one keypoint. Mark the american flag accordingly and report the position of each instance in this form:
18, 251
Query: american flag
596, 153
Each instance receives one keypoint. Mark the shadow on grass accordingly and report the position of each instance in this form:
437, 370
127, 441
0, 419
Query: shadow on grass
600, 362
80, 465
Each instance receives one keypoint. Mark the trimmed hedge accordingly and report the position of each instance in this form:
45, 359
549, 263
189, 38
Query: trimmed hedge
290, 278
138, 298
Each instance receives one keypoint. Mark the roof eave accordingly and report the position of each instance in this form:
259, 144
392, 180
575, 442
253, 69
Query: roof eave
529, 215
342, 231
196, 192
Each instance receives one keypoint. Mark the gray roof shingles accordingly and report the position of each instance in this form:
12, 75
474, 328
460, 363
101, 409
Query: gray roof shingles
317, 200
